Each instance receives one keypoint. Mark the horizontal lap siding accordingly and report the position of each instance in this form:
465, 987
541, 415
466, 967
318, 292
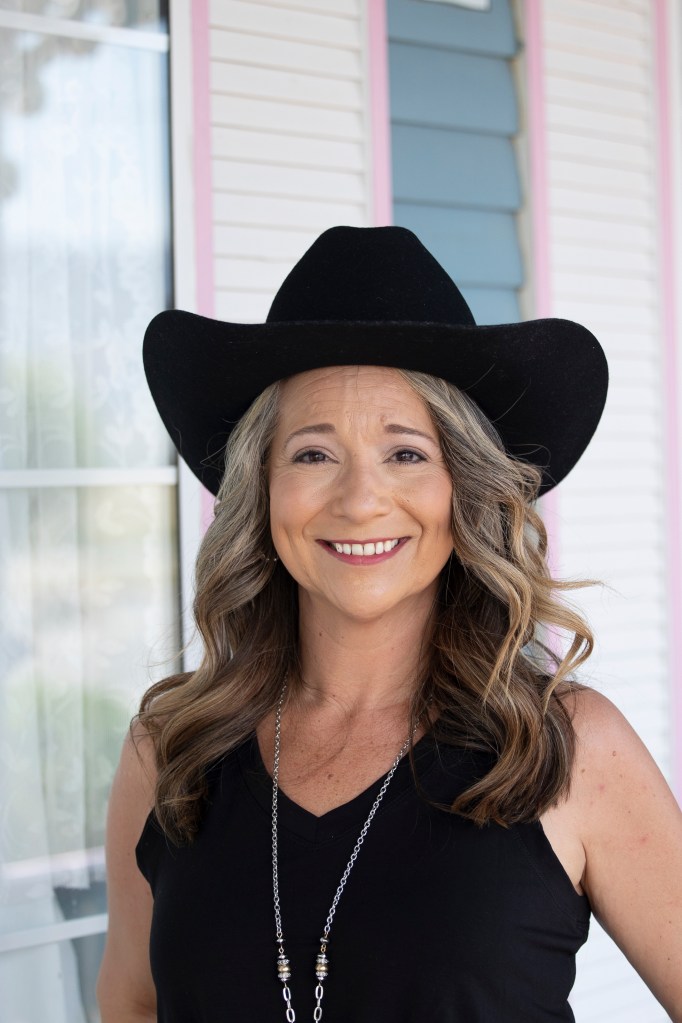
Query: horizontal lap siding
603, 230
289, 134
453, 119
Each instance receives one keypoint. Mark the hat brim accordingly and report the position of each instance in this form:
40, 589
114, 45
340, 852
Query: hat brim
542, 383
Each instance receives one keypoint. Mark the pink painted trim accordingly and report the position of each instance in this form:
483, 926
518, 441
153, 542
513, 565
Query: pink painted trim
380, 113
669, 324
207, 509
203, 182
539, 203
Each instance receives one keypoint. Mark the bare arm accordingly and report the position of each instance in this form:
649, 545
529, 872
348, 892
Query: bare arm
125, 989
631, 829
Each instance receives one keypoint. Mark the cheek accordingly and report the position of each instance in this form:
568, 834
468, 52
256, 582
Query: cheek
291, 504
433, 498
280, 508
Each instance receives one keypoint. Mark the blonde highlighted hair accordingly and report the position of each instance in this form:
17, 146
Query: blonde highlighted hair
489, 679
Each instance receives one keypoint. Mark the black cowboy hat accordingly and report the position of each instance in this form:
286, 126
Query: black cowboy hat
376, 296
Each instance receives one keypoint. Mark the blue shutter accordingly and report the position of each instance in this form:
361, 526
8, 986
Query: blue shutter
453, 119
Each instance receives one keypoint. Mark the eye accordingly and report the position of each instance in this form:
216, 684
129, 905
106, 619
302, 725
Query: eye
310, 457
408, 456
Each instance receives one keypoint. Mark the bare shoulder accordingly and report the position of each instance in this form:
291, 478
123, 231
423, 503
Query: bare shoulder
614, 774
130, 802
590, 710
610, 755
137, 767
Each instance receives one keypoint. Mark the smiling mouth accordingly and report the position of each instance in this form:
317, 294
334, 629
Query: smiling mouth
364, 550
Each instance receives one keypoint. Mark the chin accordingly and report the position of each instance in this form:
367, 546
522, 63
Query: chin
370, 609
364, 615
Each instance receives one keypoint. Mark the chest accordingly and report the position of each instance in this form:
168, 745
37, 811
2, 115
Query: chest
321, 770
320, 777
431, 902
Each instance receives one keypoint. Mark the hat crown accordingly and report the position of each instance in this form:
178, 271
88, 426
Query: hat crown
369, 274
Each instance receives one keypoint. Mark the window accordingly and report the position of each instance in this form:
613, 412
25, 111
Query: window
454, 125
88, 533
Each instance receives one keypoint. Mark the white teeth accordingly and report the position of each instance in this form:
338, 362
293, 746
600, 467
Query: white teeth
365, 549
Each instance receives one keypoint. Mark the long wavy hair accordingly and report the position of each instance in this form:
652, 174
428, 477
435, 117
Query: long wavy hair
489, 676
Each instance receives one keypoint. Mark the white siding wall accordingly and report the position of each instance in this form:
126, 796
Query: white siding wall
601, 111
291, 156
289, 116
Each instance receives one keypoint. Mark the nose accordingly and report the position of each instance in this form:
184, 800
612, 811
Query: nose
361, 492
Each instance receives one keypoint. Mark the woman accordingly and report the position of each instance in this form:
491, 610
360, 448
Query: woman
380, 796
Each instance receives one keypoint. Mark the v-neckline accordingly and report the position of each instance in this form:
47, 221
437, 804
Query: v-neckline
340, 819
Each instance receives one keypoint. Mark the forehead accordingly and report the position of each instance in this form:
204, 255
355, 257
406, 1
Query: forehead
371, 390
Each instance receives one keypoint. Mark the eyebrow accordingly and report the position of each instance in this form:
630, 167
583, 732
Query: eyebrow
394, 428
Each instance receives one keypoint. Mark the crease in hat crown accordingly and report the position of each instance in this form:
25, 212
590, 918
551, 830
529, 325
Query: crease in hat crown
369, 275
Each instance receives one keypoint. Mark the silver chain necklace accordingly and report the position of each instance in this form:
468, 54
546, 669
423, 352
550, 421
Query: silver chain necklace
321, 962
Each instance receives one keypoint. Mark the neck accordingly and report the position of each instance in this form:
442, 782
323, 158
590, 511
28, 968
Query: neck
358, 668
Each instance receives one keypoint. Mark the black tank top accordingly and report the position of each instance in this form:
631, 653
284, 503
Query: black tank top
440, 921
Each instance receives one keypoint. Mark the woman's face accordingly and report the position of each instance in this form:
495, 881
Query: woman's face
360, 497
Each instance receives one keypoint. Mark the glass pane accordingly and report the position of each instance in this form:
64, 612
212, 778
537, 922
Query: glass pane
87, 588
85, 250
52, 983
150, 15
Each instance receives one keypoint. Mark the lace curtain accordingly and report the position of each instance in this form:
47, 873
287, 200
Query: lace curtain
87, 557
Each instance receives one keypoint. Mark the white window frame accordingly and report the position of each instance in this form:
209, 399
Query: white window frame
191, 499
